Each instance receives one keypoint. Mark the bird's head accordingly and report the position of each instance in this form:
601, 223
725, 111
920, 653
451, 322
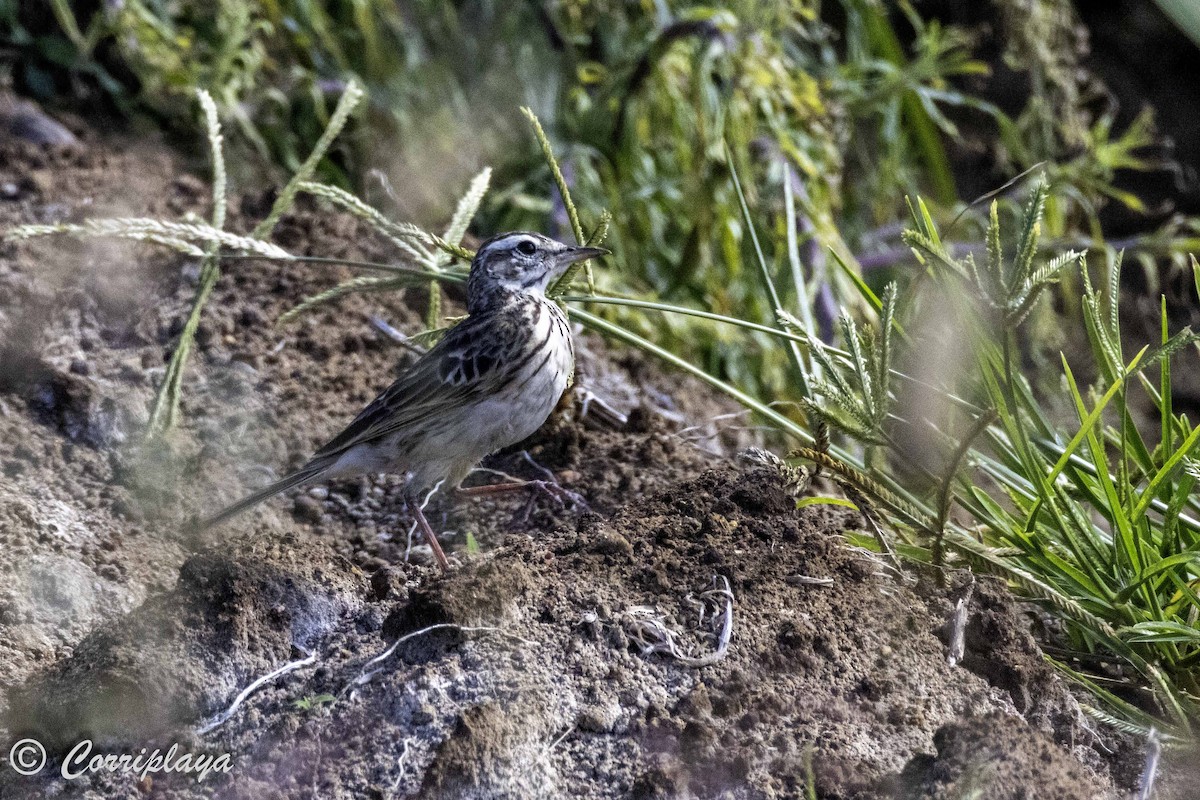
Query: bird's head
520, 261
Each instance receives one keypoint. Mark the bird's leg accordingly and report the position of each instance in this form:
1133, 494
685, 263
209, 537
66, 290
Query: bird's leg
549, 487
491, 488
430, 537
522, 516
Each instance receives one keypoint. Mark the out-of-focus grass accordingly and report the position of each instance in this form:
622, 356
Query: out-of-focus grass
831, 112
1184, 14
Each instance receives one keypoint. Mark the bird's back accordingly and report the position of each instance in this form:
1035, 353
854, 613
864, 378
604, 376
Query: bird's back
491, 382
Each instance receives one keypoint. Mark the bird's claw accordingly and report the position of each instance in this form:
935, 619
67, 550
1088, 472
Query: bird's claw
559, 494
562, 497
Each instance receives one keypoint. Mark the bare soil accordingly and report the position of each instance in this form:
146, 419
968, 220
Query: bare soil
537, 681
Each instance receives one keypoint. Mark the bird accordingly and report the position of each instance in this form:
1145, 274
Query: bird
490, 382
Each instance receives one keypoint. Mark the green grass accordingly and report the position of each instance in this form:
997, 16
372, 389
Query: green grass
831, 114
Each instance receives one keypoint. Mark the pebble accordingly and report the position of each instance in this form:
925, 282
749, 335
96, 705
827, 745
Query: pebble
307, 509
597, 718
381, 584
243, 368
613, 544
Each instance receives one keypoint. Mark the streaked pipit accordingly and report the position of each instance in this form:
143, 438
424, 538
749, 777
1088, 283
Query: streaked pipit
490, 382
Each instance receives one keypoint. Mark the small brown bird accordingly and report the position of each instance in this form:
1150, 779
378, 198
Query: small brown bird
490, 382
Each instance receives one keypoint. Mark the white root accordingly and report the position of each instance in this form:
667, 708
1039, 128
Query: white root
224, 716
647, 628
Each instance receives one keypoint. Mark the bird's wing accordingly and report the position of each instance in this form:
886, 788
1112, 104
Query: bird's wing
468, 363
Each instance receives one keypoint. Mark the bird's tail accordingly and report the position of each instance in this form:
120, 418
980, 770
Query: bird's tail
300, 476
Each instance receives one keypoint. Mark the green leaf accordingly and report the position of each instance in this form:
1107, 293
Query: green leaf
1160, 632
805, 502
465, 211
1089, 420
1152, 571
1173, 463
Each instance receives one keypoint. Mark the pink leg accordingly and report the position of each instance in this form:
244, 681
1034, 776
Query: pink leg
492, 488
550, 489
430, 537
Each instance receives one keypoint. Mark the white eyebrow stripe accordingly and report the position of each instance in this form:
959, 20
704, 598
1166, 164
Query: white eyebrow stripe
510, 241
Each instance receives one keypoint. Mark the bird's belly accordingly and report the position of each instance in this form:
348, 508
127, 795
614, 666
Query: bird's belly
513, 413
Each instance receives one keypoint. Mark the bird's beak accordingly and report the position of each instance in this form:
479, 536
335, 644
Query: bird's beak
574, 254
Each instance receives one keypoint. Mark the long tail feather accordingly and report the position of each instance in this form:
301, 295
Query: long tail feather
303, 475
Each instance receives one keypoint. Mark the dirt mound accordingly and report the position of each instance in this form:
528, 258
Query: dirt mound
525, 671
538, 667
995, 757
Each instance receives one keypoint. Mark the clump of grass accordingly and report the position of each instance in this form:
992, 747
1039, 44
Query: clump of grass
204, 241
1097, 521
831, 123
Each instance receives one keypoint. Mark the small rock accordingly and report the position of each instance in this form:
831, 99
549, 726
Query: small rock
597, 718
77, 409
610, 543
252, 360
381, 584
23, 119
243, 368
307, 509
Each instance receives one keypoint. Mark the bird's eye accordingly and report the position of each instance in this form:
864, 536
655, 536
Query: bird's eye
526, 248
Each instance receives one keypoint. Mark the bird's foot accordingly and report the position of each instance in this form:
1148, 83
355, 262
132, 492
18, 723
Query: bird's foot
557, 493
552, 490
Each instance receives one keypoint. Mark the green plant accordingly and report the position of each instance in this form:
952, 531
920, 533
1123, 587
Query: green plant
1104, 521
313, 702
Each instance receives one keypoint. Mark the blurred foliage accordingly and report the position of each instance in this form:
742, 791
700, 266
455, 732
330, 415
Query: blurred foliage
852, 103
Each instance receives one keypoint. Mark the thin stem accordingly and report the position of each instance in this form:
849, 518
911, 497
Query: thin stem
563, 189
166, 400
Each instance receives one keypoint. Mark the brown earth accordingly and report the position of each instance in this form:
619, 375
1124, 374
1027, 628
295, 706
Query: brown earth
540, 680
